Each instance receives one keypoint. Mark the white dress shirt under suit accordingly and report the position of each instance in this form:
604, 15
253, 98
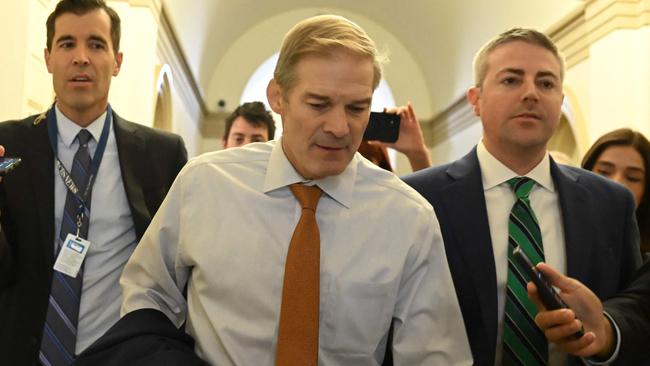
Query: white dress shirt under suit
111, 230
224, 230
499, 200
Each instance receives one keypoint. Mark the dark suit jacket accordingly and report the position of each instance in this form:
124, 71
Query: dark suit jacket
149, 161
631, 312
144, 337
600, 232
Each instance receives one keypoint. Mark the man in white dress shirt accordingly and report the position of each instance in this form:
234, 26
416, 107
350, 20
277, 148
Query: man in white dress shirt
223, 231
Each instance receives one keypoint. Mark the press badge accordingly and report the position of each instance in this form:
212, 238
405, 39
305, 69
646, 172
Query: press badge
72, 255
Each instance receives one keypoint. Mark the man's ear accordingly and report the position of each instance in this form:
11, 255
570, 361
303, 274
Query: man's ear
274, 95
223, 142
473, 96
46, 56
118, 63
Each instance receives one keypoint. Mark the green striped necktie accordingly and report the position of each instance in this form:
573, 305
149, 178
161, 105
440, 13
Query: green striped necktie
523, 342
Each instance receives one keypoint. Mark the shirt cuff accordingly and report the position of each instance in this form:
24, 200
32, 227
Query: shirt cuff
612, 358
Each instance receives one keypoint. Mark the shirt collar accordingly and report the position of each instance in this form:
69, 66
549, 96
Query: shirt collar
280, 173
494, 173
68, 130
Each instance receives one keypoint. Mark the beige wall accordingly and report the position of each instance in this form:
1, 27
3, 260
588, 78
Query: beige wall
133, 91
618, 82
26, 85
457, 146
13, 58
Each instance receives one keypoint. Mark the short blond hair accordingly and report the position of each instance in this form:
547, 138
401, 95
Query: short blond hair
515, 34
321, 35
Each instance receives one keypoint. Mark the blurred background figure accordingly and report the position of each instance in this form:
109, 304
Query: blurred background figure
250, 122
623, 156
377, 154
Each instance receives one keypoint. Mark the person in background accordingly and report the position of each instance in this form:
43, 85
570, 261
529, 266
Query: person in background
623, 156
507, 192
77, 153
378, 155
250, 122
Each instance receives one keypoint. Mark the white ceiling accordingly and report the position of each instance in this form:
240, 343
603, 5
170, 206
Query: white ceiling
431, 43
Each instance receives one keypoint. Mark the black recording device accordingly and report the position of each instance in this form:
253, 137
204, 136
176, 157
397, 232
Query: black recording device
7, 164
548, 295
382, 127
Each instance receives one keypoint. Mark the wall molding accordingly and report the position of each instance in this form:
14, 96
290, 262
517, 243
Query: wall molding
451, 121
172, 54
574, 35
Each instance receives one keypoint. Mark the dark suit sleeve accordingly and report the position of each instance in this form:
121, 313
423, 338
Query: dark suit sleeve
6, 261
144, 337
631, 253
6, 255
181, 155
631, 312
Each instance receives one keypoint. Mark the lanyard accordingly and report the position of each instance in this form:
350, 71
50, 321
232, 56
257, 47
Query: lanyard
52, 131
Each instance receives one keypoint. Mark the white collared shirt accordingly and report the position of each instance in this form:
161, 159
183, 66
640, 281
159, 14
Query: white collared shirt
224, 230
499, 200
111, 230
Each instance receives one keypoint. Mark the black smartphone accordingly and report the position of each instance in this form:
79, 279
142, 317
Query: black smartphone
382, 127
8, 163
546, 292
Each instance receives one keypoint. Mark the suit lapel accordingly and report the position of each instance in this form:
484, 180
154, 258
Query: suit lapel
464, 202
131, 148
40, 159
577, 232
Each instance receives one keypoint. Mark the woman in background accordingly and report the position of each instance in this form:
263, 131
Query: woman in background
623, 155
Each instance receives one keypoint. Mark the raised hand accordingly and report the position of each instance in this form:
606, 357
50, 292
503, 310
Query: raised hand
586, 311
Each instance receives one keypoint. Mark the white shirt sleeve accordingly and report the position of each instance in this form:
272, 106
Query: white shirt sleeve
591, 361
154, 277
429, 327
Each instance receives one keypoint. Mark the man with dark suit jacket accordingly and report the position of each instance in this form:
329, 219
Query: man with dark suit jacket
585, 225
53, 188
618, 335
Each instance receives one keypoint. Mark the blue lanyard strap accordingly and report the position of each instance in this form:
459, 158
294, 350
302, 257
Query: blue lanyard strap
53, 131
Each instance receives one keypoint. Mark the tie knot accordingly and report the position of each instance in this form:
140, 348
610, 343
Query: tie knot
83, 137
308, 196
521, 186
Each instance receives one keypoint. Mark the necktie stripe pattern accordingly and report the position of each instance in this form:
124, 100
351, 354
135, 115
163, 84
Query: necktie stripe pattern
60, 330
523, 228
524, 343
299, 312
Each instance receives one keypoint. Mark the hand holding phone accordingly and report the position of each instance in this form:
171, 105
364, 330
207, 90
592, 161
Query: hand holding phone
7, 164
548, 295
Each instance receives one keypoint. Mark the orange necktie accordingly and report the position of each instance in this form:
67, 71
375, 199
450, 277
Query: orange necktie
298, 331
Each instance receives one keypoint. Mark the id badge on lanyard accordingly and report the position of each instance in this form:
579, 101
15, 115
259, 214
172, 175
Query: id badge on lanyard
74, 248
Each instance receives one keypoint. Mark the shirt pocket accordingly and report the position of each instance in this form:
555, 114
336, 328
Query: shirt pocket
356, 317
